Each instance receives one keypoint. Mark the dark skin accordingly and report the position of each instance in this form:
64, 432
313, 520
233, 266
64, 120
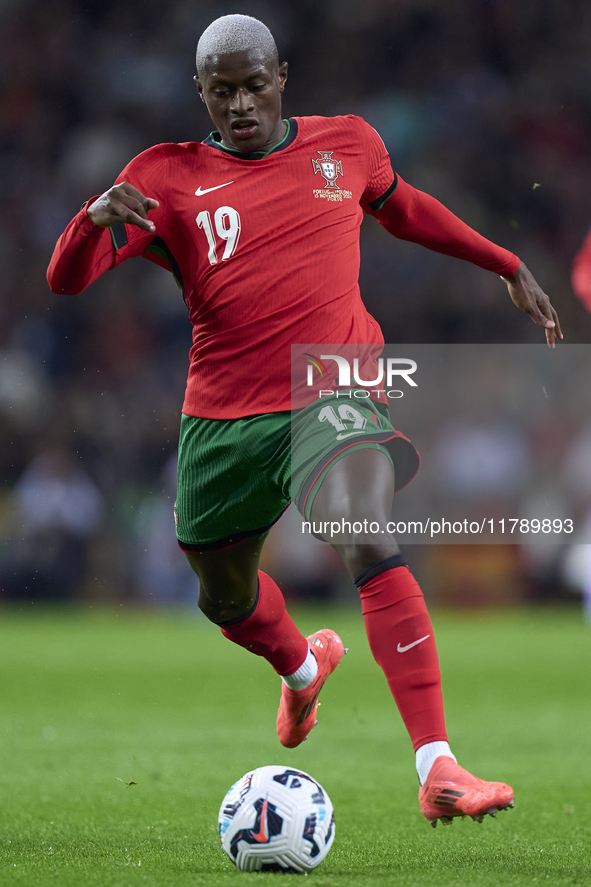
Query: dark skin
242, 92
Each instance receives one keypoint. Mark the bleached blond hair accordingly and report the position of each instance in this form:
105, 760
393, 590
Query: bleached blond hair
235, 33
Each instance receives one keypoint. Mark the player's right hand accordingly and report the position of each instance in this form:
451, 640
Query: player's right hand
122, 203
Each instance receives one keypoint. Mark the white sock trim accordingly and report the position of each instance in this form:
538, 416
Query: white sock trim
304, 675
426, 754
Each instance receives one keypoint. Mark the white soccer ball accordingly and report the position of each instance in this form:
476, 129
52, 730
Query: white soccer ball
276, 819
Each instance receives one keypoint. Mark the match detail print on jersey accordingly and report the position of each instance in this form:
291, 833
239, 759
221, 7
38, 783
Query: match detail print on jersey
330, 170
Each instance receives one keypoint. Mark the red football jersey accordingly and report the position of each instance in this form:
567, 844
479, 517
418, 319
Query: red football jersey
265, 249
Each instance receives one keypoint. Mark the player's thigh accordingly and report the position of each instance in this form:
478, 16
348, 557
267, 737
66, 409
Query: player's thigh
228, 584
359, 487
352, 509
348, 460
348, 449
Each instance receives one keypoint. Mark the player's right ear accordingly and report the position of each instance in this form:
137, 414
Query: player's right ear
199, 87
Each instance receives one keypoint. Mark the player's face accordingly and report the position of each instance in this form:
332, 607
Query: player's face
242, 93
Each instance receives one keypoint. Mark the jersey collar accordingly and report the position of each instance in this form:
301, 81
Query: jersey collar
214, 140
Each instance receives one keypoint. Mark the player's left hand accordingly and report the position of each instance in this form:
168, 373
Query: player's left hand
528, 295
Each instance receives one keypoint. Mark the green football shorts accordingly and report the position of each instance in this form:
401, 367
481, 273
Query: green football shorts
237, 476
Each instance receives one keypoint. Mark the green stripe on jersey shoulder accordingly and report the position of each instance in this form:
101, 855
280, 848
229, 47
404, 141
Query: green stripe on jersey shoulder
378, 203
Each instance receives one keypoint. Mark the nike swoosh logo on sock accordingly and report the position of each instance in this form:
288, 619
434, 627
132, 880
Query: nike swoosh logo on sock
414, 643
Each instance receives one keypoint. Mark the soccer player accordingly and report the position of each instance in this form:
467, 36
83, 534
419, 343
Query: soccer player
259, 223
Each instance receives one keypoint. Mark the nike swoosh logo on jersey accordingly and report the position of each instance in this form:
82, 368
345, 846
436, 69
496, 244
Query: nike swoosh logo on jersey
414, 643
201, 191
349, 434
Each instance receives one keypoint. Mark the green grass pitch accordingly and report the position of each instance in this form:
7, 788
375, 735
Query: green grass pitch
121, 732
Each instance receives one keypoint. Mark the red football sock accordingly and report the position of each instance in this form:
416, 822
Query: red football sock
401, 638
269, 630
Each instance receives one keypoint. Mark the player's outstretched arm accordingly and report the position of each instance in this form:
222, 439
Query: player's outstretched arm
528, 295
85, 249
412, 215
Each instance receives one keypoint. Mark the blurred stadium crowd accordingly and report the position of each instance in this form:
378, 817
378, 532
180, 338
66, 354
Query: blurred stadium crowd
486, 104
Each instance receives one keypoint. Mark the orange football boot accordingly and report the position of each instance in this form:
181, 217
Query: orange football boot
297, 709
450, 791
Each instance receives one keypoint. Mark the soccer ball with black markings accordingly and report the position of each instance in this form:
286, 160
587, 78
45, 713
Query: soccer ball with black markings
276, 819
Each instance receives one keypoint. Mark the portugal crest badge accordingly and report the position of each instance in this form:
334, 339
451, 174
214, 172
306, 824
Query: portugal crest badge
328, 168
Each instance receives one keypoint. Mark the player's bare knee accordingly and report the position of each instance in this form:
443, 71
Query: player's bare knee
358, 556
219, 608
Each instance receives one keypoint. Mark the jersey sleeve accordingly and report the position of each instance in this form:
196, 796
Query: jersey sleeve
410, 214
85, 250
381, 178
148, 173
